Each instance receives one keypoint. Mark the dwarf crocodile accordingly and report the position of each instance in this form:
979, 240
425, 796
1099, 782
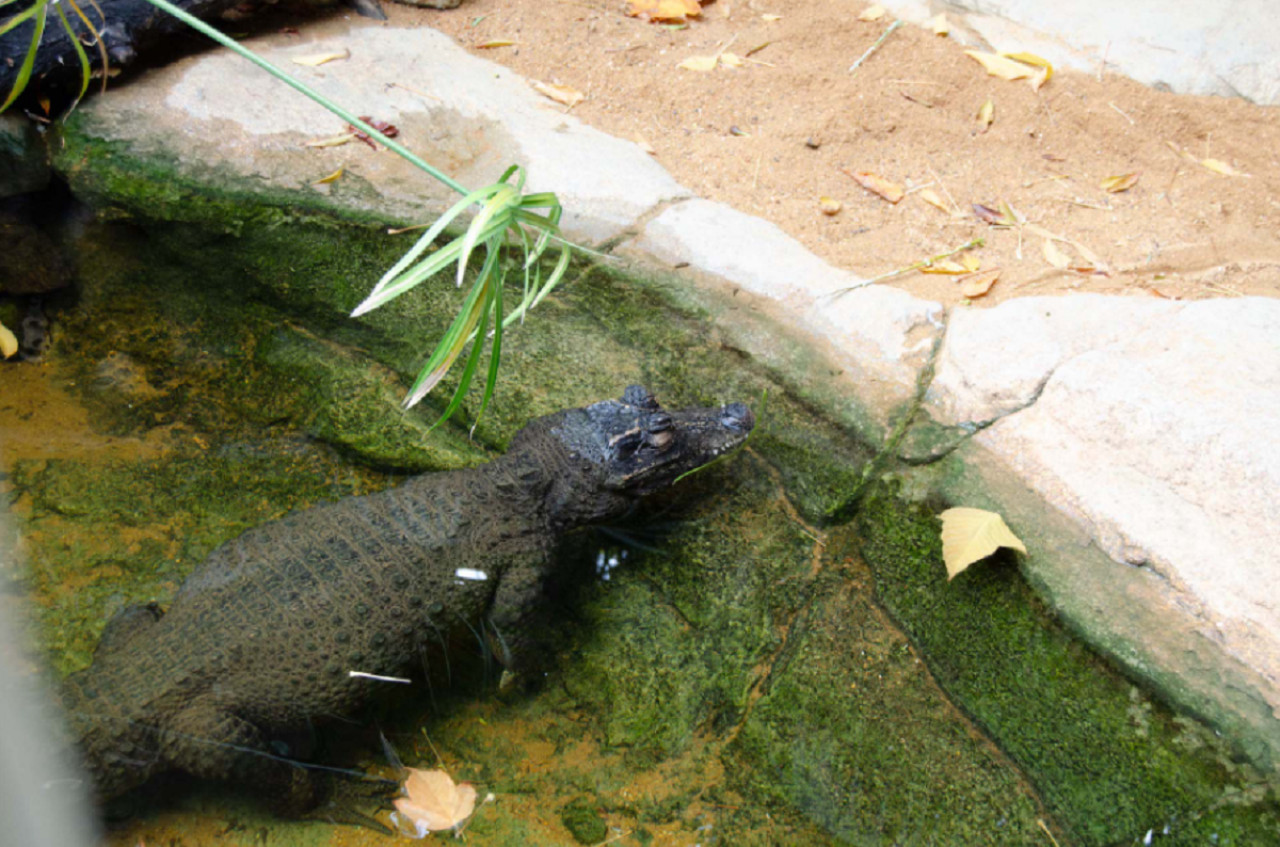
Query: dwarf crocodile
262, 638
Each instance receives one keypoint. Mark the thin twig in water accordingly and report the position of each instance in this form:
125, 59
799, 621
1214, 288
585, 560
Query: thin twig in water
874, 47
923, 263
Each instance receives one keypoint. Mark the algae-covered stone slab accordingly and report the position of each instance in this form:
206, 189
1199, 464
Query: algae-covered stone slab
1151, 426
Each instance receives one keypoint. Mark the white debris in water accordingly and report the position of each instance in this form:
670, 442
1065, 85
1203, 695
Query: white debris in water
607, 560
378, 677
470, 573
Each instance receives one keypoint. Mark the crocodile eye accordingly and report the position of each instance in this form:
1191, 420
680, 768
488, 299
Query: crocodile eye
660, 422
660, 440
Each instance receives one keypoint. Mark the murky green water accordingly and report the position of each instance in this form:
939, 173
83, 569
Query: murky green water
744, 674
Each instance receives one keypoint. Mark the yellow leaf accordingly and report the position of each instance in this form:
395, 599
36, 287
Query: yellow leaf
1000, 66
987, 114
939, 24
872, 13
700, 63
495, 42
971, 262
770, 18
944, 266
8, 342
333, 177
878, 185
970, 535
829, 205
978, 285
317, 59
731, 60
931, 197
1046, 69
331, 141
1220, 167
1116, 184
668, 11
433, 802
559, 93
1054, 255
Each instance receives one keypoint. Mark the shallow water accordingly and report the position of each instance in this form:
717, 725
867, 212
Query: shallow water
744, 674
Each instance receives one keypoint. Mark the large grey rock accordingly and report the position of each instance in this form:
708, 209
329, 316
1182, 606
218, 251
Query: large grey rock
1189, 47
222, 119
24, 165
1152, 425
880, 336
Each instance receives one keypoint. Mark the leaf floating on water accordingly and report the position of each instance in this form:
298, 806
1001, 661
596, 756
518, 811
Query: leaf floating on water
432, 802
877, 185
987, 114
559, 93
1000, 66
8, 342
970, 535
978, 285
316, 59
1116, 184
829, 205
872, 13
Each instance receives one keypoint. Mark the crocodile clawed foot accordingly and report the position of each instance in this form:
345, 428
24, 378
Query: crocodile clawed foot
354, 802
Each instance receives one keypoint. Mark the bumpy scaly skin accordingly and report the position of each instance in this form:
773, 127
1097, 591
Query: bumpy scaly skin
261, 638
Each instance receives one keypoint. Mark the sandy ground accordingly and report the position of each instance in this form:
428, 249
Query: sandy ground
780, 132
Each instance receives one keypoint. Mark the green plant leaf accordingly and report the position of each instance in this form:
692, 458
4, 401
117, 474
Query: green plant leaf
40, 10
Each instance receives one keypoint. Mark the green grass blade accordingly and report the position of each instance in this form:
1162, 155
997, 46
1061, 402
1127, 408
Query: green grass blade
85, 69
41, 12
473, 359
496, 209
495, 354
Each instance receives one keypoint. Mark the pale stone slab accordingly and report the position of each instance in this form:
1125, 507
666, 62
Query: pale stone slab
1154, 426
881, 335
1230, 49
468, 116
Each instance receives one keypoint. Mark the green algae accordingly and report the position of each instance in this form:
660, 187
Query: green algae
1109, 763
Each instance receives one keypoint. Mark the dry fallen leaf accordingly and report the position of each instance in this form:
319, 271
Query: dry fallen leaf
770, 18
731, 60
495, 42
970, 261
333, 177
939, 24
1116, 184
317, 59
931, 197
1040, 77
987, 114
8, 342
878, 185
872, 13
1220, 167
432, 802
829, 205
665, 11
559, 93
1053, 255
970, 535
331, 141
700, 63
978, 285
944, 266
1001, 66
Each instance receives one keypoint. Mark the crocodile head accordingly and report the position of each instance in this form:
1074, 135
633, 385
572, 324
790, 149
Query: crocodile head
631, 447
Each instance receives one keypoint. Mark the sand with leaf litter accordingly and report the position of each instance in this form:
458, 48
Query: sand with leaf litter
775, 135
